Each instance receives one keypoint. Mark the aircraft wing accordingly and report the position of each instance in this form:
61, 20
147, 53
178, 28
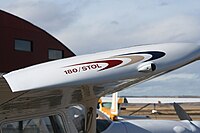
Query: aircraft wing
85, 78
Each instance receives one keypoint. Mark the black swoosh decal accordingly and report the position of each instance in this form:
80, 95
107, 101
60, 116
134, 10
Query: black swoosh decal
155, 54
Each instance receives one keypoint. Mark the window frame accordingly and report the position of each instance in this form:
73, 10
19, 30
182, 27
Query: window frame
23, 50
60, 50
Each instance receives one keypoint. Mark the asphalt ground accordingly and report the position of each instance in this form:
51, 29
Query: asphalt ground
161, 111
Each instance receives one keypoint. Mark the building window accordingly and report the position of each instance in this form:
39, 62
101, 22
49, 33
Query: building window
23, 45
55, 54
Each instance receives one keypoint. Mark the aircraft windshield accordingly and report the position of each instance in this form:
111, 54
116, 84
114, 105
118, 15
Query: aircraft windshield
107, 105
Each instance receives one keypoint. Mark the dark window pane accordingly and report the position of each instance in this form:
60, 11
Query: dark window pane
76, 114
23, 45
55, 54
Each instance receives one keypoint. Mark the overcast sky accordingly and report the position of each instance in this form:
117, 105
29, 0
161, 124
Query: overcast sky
88, 26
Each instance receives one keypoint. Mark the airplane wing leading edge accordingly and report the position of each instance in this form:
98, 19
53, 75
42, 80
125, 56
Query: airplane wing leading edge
131, 65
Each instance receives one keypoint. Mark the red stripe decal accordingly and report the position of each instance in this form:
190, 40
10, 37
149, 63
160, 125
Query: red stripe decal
111, 63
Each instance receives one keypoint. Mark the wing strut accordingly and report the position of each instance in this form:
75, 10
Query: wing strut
181, 112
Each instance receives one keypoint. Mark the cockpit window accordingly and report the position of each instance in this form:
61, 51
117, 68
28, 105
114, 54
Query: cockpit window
107, 105
50, 124
76, 117
102, 125
102, 121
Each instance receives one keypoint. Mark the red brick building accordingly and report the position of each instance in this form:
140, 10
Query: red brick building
23, 44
